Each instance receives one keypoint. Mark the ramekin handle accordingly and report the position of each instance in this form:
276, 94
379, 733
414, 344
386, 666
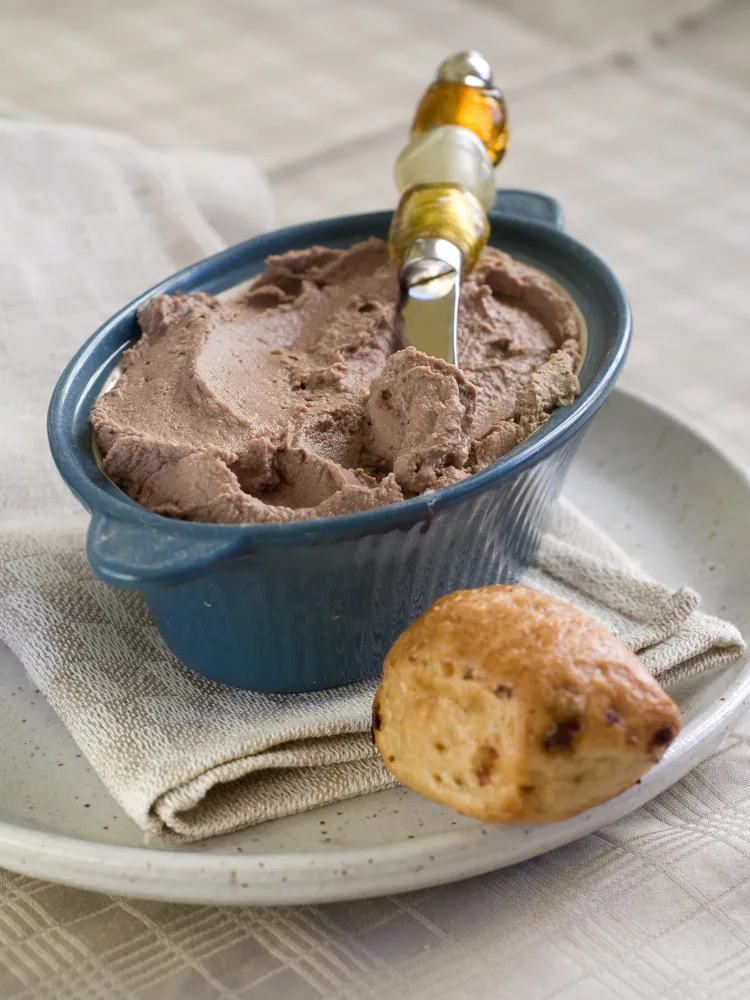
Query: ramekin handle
530, 206
134, 555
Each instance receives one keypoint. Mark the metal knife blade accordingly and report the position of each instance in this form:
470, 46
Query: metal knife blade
430, 289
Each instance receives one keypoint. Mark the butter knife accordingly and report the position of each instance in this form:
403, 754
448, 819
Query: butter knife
445, 175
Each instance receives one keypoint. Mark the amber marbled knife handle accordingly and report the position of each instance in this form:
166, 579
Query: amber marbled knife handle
445, 176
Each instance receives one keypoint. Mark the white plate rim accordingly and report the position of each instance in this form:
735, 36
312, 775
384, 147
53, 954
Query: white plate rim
357, 873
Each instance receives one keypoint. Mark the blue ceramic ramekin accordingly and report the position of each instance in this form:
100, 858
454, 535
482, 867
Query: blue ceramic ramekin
307, 605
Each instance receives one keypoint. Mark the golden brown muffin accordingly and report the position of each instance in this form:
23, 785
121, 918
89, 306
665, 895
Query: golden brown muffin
513, 707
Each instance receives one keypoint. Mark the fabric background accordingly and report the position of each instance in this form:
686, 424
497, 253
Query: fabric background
638, 120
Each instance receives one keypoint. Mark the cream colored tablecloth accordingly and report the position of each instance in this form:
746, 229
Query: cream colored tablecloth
637, 116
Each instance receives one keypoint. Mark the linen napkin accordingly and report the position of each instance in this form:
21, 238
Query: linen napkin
87, 220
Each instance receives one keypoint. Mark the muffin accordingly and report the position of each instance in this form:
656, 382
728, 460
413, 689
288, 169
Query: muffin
512, 707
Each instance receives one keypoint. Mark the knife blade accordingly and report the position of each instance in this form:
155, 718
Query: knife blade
430, 288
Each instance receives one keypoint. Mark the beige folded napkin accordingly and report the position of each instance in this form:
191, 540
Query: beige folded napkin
189, 758
87, 220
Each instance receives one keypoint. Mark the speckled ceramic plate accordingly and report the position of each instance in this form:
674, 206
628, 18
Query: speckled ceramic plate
667, 495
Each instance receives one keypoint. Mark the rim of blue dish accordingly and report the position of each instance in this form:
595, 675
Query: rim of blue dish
70, 438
